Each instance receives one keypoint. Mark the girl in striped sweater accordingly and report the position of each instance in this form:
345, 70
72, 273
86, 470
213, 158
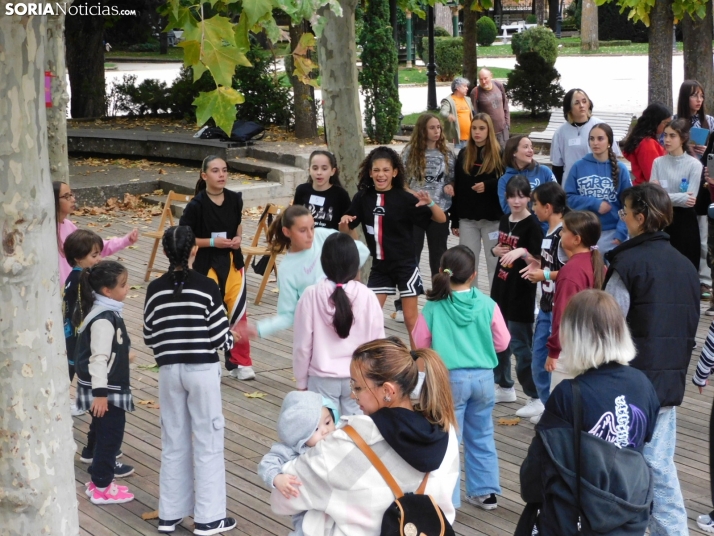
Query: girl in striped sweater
185, 324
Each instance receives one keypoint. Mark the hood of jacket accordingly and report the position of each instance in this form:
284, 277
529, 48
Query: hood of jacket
461, 307
420, 443
324, 306
300, 416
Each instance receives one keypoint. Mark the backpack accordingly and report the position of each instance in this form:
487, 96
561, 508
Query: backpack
242, 131
411, 514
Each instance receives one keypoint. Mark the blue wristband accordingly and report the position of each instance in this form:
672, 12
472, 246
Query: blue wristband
212, 243
431, 204
546, 274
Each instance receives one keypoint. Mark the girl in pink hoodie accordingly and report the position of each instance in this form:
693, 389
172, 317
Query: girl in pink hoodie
333, 318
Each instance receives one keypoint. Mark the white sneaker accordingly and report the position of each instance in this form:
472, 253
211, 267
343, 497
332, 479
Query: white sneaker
399, 316
532, 408
504, 394
536, 419
74, 410
243, 373
705, 523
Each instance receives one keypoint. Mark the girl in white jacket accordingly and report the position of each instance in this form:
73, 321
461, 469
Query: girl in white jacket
333, 318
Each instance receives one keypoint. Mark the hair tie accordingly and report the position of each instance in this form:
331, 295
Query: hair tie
414, 354
339, 285
594, 248
449, 272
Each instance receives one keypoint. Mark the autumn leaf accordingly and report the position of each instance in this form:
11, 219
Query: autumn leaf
503, 421
191, 52
219, 104
222, 60
135, 287
150, 515
254, 394
146, 402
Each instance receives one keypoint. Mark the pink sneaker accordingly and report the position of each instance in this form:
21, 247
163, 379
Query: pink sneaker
91, 487
111, 495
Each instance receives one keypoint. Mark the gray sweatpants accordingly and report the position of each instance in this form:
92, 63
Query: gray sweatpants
474, 232
192, 480
336, 389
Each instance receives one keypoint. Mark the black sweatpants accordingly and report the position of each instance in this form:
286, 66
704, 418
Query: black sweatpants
436, 236
109, 431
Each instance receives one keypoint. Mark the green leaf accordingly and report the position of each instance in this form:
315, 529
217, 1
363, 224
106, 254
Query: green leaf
191, 52
241, 34
183, 19
220, 104
255, 10
222, 61
216, 30
198, 71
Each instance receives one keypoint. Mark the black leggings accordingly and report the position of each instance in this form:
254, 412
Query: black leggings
684, 234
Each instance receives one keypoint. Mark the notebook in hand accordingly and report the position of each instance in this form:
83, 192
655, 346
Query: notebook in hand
699, 136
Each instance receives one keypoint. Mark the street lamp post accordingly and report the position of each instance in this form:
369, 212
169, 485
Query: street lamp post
431, 67
559, 20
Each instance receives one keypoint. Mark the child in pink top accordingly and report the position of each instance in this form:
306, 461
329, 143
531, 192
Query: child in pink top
64, 205
333, 318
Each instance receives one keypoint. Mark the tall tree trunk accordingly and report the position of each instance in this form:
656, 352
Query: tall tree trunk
57, 113
37, 492
85, 63
553, 7
469, 43
539, 10
303, 94
660, 53
588, 26
697, 48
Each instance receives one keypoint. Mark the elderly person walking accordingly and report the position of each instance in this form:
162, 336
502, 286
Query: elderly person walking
458, 111
489, 97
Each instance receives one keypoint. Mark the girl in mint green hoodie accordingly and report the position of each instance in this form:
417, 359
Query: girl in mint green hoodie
466, 329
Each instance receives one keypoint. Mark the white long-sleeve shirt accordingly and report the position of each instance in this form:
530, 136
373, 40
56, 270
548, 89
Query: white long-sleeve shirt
669, 171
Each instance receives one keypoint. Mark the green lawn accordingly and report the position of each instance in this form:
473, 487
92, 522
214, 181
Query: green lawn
521, 122
417, 75
174, 53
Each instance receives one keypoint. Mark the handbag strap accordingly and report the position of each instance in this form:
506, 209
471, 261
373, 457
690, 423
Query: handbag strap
577, 427
379, 465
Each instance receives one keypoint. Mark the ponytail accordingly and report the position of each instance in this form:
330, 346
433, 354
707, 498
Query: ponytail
586, 225
344, 317
177, 243
340, 262
457, 265
277, 240
615, 169
435, 401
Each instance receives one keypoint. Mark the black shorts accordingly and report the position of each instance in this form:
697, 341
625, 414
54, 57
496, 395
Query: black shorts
388, 276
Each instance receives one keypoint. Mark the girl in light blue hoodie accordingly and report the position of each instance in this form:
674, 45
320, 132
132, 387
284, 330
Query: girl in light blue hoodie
595, 183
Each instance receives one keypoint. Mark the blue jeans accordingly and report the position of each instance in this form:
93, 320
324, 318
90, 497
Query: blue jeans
473, 394
520, 346
668, 514
541, 377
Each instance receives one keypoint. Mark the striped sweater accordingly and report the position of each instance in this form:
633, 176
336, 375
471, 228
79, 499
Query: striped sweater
189, 328
706, 360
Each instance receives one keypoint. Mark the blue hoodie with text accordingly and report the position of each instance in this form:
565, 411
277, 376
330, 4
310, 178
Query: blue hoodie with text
589, 183
536, 176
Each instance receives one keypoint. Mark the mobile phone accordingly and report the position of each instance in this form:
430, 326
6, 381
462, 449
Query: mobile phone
710, 165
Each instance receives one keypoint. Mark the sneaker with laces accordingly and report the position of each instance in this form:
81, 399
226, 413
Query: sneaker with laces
168, 525
487, 502
111, 495
74, 410
504, 394
91, 487
706, 523
222, 525
532, 408
121, 470
243, 373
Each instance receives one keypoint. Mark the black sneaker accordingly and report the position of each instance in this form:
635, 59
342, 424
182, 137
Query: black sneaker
168, 526
487, 502
87, 455
121, 470
222, 525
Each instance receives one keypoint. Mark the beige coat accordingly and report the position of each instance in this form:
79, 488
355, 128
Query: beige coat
452, 131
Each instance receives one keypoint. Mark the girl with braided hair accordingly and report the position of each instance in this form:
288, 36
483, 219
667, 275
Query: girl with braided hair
596, 182
185, 324
214, 216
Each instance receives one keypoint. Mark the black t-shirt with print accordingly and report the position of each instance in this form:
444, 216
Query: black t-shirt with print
552, 257
327, 207
619, 404
388, 220
515, 295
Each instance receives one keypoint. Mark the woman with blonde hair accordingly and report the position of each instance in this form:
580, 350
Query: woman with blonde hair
618, 405
411, 438
475, 209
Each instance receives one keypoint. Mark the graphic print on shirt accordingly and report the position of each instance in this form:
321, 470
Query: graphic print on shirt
511, 241
597, 187
321, 216
622, 429
379, 212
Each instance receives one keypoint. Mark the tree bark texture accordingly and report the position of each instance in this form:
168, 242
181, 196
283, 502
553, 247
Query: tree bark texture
469, 43
539, 6
553, 6
85, 63
698, 37
588, 26
303, 94
57, 114
37, 491
660, 53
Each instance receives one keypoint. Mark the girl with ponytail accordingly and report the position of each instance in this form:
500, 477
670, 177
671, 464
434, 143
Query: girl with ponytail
596, 182
466, 328
333, 318
412, 438
215, 217
185, 324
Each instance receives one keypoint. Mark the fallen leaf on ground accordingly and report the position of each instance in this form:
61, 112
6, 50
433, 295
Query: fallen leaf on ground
504, 421
150, 515
146, 402
131, 247
133, 296
254, 394
150, 368
135, 287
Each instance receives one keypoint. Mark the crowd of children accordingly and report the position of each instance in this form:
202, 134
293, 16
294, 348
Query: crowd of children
538, 239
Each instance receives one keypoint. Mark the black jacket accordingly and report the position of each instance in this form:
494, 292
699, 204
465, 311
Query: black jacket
664, 309
466, 203
616, 486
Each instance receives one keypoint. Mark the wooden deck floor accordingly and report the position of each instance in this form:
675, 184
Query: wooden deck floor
250, 424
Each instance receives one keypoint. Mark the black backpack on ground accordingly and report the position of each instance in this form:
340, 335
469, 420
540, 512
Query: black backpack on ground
411, 514
242, 132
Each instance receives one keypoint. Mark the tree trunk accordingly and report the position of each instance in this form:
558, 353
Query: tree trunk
660, 53
588, 26
553, 7
469, 43
303, 94
697, 47
37, 490
539, 6
57, 114
85, 63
